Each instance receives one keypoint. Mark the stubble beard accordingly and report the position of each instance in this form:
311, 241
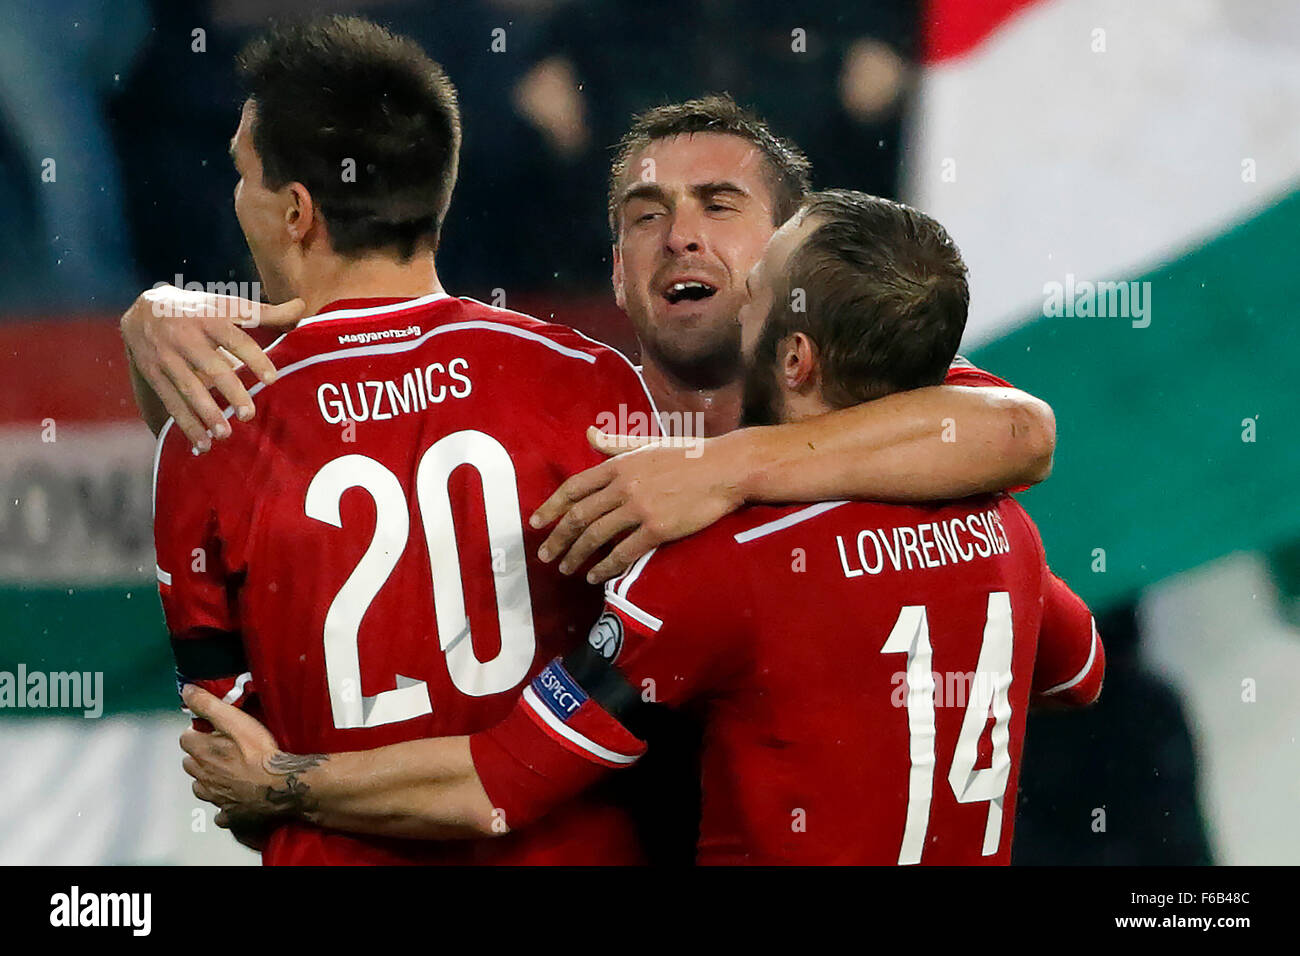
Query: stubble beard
702, 363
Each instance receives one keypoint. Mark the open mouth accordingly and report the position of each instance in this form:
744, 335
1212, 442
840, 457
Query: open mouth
689, 290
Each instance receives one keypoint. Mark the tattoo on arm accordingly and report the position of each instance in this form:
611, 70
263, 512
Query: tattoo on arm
294, 798
281, 762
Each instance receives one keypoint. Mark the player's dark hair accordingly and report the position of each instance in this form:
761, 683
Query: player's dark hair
365, 120
879, 288
787, 168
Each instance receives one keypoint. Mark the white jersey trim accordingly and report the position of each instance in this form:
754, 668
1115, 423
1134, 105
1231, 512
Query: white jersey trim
635, 368
362, 350
616, 593
620, 584
335, 314
237, 691
634, 612
1074, 681
568, 733
789, 521
157, 458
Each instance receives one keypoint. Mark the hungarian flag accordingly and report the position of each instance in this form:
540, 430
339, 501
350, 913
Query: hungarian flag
1124, 182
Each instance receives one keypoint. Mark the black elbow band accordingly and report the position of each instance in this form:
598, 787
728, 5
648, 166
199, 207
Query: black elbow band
208, 654
607, 686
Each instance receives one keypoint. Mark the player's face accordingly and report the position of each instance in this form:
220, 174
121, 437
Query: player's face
762, 403
260, 211
694, 214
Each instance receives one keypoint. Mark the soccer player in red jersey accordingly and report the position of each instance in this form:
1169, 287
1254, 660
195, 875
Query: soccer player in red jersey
722, 183
891, 452
356, 557
863, 670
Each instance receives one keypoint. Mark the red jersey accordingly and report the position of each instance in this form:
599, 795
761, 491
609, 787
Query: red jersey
862, 670
364, 543
963, 372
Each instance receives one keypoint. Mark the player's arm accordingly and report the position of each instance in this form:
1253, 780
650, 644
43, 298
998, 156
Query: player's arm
558, 740
922, 445
419, 789
1071, 660
577, 721
174, 341
193, 584
947, 441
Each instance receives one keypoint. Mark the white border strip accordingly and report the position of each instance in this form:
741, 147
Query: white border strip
790, 520
374, 310
237, 691
620, 584
1092, 656
634, 612
568, 733
635, 368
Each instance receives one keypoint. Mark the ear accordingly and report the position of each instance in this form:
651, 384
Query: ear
300, 213
798, 362
616, 278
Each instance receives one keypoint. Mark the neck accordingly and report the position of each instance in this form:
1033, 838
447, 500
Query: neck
802, 405
693, 412
330, 279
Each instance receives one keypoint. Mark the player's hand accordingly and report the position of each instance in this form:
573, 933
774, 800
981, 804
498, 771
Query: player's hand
184, 343
229, 765
252, 834
653, 491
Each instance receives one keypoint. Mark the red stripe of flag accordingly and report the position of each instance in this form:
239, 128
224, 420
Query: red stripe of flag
952, 28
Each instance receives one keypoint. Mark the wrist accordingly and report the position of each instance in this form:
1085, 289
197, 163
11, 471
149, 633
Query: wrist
298, 783
741, 451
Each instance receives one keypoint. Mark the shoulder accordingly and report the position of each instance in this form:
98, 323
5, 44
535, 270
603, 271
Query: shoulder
552, 336
964, 372
592, 371
722, 546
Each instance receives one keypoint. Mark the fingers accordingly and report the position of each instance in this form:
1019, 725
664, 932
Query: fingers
196, 433
282, 316
181, 335
200, 702
227, 382
576, 520
597, 535
195, 396
203, 793
203, 746
624, 555
215, 370
227, 720
579, 486
241, 345
245, 313
616, 444
190, 741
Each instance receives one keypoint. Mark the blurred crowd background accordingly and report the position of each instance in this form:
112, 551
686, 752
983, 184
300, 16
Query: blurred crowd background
1055, 138
118, 93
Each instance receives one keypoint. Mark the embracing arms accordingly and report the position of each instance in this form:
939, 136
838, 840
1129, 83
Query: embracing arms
420, 789
946, 441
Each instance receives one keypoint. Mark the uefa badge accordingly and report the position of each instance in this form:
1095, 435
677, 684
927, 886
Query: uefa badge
607, 636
